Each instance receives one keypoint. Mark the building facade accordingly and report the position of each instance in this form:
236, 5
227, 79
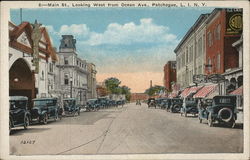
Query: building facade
91, 81
169, 75
224, 27
72, 72
25, 77
191, 53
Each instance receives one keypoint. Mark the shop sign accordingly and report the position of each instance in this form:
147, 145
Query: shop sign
234, 21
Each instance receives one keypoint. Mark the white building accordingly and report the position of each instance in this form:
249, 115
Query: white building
72, 71
191, 53
23, 79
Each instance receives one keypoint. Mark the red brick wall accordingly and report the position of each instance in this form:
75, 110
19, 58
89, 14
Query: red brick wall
228, 55
169, 75
138, 96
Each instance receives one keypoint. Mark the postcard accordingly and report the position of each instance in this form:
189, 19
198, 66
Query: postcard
124, 80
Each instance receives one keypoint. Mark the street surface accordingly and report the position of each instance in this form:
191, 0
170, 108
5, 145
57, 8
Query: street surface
128, 129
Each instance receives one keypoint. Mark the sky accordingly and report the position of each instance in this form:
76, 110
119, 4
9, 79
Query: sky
131, 44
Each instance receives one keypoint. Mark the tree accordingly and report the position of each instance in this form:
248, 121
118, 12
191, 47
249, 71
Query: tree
126, 90
154, 90
112, 85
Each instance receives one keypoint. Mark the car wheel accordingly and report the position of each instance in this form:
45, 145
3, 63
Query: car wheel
56, 117
210, 121
200, 120
26, 122
45, 119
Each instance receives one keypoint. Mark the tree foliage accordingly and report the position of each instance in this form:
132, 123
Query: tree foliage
113, 86
154, 90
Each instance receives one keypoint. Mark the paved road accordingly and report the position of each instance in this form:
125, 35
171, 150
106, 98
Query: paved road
128, 129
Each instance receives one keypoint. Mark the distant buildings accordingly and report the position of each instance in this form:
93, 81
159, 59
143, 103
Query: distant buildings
169, 75
138, 96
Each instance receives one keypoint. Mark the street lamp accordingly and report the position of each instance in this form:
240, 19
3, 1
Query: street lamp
70, 80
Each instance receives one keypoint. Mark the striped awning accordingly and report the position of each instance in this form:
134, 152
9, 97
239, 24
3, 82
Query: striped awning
238, 91
205, 91
190, 90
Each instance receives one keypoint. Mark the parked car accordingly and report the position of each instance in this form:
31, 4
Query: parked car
189, 106
103, 101
176, 105
151, 102
18, 112
223, 110
45, 109
203, 106
71, 107
158, 102
164, 103
93, 105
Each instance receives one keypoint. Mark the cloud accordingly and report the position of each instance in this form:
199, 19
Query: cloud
75, 29
130, 33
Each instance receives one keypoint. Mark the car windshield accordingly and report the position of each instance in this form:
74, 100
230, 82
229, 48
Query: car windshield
18, 104
44, 102
69, 103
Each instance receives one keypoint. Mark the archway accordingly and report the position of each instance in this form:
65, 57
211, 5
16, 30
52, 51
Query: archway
240, 81
21, 80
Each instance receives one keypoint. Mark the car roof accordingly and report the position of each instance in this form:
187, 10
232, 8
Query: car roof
69, 99
43, 99
14, 98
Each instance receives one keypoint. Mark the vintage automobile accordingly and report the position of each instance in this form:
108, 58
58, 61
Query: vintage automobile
164, 103
71, 107
176, 105
138, 102
45, 109
203, 106
189, 106
92, 105
223, 110
151, 102
103, 101
18, 112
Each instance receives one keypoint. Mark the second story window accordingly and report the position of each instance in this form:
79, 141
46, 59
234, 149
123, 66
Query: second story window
66, 61
66, 79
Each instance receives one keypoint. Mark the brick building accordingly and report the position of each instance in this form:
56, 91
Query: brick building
224, 27
138, 96
169, 74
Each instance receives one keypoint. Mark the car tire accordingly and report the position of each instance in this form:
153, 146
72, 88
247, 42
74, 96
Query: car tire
200, 120
56, 117
26, 122
209, 120
45, 119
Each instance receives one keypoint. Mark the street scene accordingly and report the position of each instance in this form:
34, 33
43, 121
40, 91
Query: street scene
128, 129
127, 83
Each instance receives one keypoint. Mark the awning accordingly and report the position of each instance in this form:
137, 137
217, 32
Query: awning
205, 91
189, 91
238, 91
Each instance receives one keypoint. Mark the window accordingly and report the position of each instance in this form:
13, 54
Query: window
66, 79
218, 30
218, 61
187, 55
199, 46
50, 67
66, 61
209, 39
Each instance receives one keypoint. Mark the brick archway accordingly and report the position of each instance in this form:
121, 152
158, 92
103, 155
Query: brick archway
21, 80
